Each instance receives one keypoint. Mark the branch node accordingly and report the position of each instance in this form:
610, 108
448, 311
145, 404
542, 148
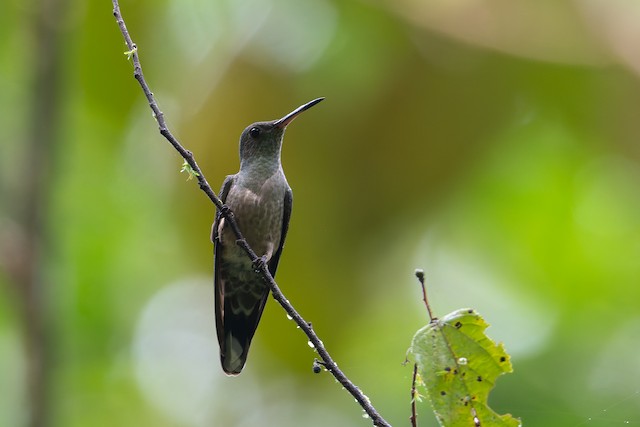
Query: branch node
317, 366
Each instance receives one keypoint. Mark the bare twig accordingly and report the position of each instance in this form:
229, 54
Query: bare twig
420, 275
328, 362
414, 416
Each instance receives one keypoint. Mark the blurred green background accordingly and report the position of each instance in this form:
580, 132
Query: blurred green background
494, 144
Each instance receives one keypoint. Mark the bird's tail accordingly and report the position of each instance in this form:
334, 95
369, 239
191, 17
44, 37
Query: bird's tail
239, 306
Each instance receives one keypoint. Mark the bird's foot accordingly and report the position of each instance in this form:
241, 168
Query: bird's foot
225, 210
260, 263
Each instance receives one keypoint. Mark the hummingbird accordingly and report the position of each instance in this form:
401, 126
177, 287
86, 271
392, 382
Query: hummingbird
261, 201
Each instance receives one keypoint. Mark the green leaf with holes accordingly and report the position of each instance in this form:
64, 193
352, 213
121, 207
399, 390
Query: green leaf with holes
458, 365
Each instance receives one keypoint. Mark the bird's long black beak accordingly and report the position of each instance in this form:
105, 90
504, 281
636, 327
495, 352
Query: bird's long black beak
283, 122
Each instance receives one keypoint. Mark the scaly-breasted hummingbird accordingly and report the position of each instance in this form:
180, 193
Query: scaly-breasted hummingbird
261, 200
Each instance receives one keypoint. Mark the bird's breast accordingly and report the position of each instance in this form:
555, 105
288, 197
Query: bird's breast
258, 211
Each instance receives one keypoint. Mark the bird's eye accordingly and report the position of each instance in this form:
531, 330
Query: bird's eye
254, 132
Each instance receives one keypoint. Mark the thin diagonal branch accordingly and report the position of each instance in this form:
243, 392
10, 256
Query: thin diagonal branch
306, 327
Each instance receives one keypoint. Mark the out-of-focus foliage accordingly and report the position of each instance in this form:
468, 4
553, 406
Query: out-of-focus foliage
494, 144
458, 366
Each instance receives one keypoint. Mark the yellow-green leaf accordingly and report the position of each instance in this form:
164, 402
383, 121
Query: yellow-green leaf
459, 366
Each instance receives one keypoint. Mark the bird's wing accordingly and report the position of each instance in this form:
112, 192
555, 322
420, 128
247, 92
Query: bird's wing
224, 191
217, 247
286, 216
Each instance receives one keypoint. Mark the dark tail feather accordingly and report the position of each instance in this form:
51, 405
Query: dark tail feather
239, 328
238, 313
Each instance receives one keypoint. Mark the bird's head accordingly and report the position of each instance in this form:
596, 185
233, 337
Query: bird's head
263, 140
